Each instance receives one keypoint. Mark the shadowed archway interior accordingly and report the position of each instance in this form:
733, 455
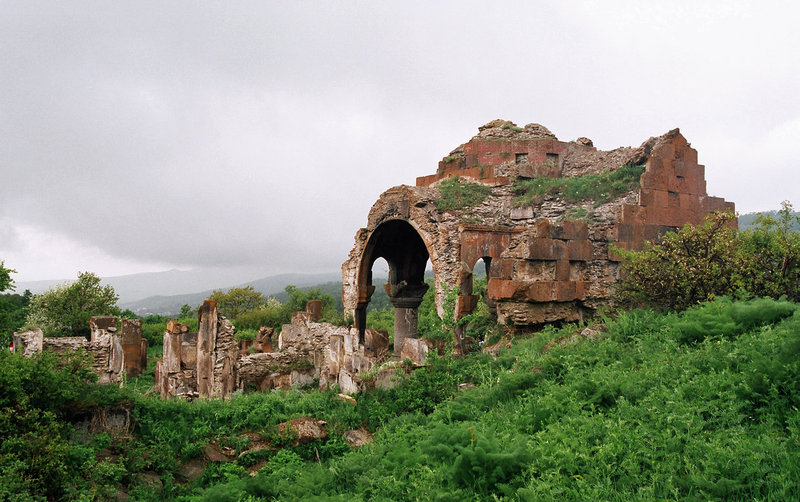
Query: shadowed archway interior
405, 252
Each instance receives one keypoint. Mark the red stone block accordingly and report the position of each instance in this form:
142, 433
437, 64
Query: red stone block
547, 249
501, 268
672, 200
465, 304
580, 250
562, 270
633, 214
502, 289
580, 290
565, 291
572, 230
541, 291
424, 181
542, 228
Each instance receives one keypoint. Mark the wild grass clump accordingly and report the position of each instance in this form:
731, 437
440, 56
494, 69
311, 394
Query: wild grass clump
600, 188
457, 194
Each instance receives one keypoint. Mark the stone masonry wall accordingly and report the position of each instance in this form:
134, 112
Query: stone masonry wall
545, 264
113, 354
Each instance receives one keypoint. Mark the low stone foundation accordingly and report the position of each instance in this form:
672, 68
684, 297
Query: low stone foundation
113, 353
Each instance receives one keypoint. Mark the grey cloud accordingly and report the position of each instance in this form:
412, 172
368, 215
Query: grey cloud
261, 132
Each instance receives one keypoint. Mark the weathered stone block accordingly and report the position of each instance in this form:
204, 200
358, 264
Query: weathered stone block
28, 343
414, 349
171, 359
547, 249
175, 327
376, 342
541, 291
580, 250
562, 270
501, 289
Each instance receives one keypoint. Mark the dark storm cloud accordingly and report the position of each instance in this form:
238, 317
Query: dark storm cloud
260, 133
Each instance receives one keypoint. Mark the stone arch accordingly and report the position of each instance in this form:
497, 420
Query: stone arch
402, 246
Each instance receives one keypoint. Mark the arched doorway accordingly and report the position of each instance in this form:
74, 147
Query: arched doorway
406, 254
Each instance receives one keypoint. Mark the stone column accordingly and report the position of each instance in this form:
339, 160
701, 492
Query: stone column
206, 340
406, 300
405, 325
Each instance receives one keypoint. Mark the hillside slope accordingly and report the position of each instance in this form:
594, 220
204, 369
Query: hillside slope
698, 405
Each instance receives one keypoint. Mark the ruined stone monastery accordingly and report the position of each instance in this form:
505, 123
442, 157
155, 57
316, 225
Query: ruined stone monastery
548, 258
543, 264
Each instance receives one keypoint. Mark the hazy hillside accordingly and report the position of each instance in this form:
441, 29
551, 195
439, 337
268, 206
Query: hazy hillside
134, 287
269, 286
747, 220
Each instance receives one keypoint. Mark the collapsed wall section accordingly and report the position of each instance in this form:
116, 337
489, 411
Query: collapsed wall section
307, 351
113, 353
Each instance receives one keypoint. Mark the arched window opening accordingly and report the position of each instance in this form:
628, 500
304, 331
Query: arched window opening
380, 312
476, 314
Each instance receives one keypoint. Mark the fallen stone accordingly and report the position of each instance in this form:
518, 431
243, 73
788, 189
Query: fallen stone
191, 470
414, 349
304, 430
214, 453
347, 399
357, 438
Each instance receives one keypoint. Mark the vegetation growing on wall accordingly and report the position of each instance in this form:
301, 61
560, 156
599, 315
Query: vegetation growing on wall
600, 188
458, 194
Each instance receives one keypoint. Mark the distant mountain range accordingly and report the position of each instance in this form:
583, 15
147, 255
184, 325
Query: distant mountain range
748, 220
269, 286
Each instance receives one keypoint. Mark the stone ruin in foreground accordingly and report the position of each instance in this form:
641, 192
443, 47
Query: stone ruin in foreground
210, 363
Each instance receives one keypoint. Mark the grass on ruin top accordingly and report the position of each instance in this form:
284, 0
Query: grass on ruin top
460, 194
600, 188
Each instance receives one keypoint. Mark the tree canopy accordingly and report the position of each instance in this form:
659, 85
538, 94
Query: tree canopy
65, 310
237, 301
6, 282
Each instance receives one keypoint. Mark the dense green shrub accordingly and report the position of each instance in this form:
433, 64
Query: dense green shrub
13, 311
686, 267
37, 459
772, 246
698, 263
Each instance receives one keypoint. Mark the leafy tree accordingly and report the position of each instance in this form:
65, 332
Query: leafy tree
6, 282
237, 301
185, 310
64, 310
13, 311
774, 245
275, 314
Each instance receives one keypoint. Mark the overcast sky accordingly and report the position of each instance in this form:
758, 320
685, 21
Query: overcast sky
143, 136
